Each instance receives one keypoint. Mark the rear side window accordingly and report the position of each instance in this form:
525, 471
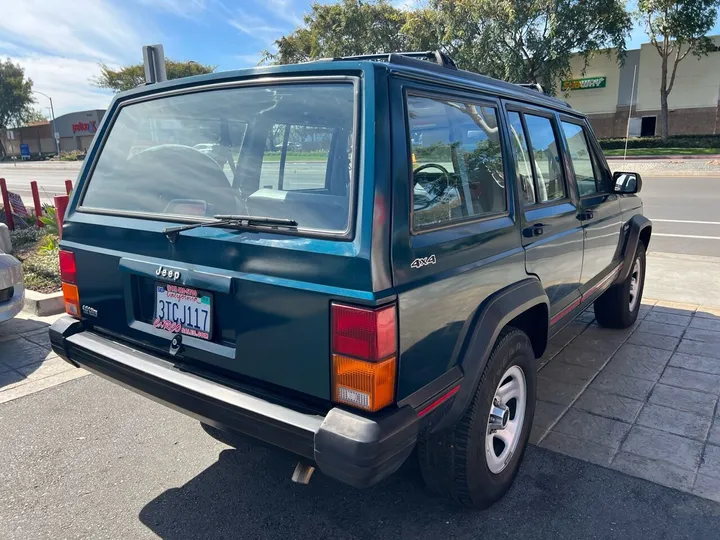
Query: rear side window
281, 151
549, 184
456, 161
588, 181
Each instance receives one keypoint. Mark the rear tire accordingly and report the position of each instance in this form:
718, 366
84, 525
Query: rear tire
618, 307
469, 463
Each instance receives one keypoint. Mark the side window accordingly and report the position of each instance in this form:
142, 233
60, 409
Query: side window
521, 153
585, 173
549, 183
296, 157
456, 161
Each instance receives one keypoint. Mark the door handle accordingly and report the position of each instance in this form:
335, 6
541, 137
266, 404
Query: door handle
536, 229
587, 214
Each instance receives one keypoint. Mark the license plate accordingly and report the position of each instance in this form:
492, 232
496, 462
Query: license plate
181, 310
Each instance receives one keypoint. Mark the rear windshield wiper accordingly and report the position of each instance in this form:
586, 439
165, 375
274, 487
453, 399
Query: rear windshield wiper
232, 221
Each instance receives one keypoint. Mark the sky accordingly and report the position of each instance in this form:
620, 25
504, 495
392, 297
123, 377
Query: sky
61, 42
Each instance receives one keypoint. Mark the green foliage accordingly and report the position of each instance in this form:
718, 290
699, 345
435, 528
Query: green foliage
15, 96
41, 271
348, 28
48, 243
129, 77
73, 155
34, 115
514, 40
22, 239
49, 220
676, 29
680, 141
529, 40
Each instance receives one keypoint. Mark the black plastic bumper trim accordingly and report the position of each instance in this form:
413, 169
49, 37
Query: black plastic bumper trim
346, 446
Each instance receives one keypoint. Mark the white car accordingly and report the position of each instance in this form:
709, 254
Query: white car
12, 290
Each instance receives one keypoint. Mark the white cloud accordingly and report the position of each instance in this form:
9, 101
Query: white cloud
181, 8
82, 28
65, 80
283, 10
255, 27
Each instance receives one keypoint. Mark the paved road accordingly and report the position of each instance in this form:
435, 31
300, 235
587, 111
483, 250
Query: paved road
97, 461
686, 208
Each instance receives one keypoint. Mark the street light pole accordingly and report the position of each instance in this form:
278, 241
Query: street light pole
52, 112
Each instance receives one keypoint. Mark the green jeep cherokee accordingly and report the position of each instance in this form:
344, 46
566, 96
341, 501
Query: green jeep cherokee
350, 259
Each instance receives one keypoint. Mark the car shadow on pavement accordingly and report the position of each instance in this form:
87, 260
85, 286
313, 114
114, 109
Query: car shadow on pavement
247, 493
24, 349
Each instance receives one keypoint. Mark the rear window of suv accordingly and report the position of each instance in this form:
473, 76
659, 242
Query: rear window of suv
280, 151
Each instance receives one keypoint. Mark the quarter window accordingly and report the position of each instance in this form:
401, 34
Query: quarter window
456, 161
588, 181
549, 184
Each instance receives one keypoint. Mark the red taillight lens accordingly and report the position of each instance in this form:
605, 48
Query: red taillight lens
363, 333
68, 272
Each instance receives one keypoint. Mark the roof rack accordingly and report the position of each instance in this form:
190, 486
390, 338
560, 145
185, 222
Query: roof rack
534, 86
437, 57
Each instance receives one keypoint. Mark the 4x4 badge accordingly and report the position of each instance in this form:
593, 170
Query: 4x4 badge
423, 261
169, 274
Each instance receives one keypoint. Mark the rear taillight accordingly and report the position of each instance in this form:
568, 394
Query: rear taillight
68, 272
68, 275
364, 346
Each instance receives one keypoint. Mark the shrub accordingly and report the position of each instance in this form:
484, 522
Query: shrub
678, 141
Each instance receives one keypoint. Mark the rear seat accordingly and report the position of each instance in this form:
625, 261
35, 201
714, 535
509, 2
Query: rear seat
310, 210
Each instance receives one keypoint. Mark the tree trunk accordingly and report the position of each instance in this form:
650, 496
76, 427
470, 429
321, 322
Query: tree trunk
664, 114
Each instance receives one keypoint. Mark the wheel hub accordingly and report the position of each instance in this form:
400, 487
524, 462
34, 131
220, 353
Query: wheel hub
499, 416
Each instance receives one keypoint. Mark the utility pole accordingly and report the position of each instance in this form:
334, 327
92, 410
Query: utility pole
52, 113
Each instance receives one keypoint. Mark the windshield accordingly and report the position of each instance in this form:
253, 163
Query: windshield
279, 151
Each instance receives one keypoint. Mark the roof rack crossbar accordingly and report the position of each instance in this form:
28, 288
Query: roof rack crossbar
533, 86
438, 57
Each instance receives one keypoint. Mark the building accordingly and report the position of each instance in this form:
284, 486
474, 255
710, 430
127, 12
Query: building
75, 130
605, 93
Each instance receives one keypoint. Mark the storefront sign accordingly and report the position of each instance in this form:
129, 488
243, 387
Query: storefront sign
85, 126
584, 84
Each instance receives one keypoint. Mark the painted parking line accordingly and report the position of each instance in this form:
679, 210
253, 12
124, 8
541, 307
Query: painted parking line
686, 221
688, 236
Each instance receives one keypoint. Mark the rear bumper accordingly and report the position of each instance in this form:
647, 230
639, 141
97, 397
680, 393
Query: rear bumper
348, 447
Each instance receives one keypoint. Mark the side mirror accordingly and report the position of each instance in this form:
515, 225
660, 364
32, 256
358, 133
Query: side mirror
626, 182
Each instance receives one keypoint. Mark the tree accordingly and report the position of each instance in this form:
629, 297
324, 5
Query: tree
15, 96
347, 28
676, 28
129, 77
529, 40
514, 40
33, 115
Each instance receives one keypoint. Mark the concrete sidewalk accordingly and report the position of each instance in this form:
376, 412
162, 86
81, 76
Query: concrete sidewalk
642, 401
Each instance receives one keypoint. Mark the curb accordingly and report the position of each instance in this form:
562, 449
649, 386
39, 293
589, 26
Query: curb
667, 157
42, 305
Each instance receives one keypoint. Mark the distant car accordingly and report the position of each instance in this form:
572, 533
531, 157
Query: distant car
12, 290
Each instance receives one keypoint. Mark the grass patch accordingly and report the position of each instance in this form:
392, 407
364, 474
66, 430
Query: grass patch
296, 156
663, 151
38, 253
